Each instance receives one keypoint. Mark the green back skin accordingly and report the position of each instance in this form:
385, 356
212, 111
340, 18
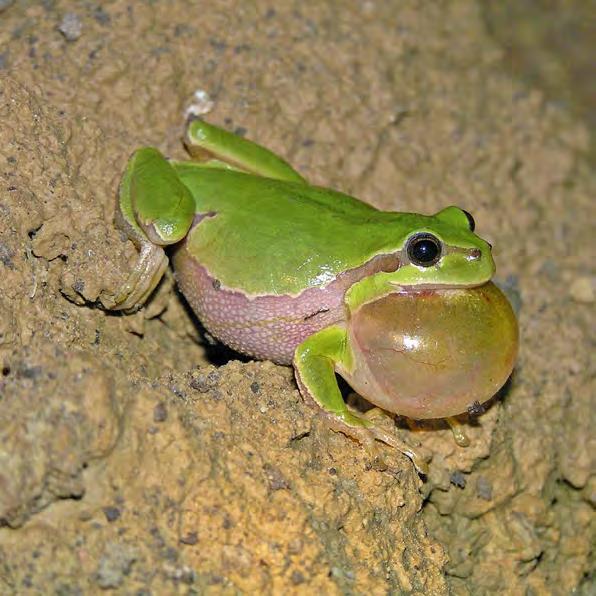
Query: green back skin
272, 237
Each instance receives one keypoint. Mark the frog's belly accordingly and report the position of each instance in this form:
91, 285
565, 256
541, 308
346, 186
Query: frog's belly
265, 327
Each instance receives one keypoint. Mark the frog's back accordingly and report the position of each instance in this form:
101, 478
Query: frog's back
269, 237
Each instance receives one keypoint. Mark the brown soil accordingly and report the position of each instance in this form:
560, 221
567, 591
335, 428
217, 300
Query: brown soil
130, 462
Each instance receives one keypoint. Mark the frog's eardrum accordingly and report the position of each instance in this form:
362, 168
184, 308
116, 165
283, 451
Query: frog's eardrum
432, 354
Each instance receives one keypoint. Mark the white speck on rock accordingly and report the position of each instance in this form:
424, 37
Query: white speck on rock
202, 104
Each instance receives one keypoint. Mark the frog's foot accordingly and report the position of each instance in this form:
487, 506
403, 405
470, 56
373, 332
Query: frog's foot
460, 436
420, 456
147, 273
367, 433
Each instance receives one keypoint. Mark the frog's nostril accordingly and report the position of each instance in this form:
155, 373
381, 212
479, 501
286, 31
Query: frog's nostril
474, 254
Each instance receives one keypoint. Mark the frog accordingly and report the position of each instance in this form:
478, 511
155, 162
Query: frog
279, 269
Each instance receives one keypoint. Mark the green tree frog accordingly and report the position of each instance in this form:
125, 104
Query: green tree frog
398, 304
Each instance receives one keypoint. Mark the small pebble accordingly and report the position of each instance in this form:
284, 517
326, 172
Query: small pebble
71, 26
275, 477
111, 513
484, 489
458, 479
114, 565
204, 383
160, 412
190, 538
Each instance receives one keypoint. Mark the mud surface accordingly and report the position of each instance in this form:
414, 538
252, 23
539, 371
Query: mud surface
130, 462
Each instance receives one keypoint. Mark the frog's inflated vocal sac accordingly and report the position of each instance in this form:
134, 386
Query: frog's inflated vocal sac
399, 304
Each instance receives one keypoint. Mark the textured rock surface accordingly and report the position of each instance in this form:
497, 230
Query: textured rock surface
127, 462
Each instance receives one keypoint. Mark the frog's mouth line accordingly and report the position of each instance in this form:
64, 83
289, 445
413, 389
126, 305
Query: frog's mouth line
435, 288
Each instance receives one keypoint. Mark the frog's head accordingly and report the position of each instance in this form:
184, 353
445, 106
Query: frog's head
434, 336
442, 251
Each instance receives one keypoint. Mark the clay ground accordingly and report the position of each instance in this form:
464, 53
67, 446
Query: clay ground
128, 460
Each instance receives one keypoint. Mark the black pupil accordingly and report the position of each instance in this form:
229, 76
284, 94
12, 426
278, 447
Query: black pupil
424, 251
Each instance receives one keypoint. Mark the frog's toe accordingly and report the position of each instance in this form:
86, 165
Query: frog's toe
367, 433
374, 413
147, 273
419, 456
459, 434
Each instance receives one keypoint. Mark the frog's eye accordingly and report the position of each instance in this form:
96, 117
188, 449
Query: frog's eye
424, 249
471, 222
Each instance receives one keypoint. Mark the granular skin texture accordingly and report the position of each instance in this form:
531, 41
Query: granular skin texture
267, 327
224, 480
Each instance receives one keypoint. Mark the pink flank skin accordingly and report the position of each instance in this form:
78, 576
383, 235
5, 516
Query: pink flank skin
267, 327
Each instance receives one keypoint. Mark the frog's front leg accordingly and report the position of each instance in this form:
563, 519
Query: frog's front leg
216, 147
154, 209
315, 362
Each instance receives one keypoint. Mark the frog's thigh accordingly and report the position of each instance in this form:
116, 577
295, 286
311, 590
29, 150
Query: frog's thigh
205, 141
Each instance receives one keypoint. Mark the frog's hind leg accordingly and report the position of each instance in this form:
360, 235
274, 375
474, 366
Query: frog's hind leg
215, 147
314, 364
